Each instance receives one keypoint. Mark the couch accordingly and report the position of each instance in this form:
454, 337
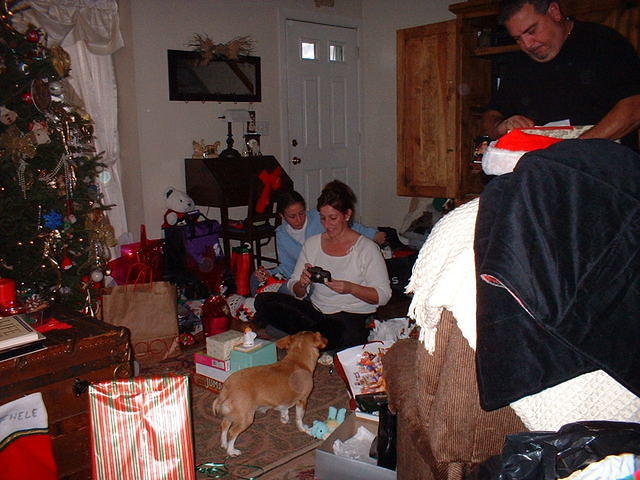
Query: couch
441, 430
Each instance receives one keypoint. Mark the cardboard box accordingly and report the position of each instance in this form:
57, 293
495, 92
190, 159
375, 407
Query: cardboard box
207, 382
212, 372
263, 353
330, 466
204, 359
220, 345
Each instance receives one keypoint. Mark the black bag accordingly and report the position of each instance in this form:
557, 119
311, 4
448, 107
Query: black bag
400, 269
386, 440
552, 455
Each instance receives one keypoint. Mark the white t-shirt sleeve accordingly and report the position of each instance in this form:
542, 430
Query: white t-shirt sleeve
375, 270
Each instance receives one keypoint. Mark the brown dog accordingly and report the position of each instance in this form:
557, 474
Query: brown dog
280, 385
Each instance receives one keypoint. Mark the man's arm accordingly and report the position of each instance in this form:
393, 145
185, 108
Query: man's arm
622, 119
495, 125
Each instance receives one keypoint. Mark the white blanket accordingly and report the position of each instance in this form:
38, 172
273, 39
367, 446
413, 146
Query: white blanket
444, 278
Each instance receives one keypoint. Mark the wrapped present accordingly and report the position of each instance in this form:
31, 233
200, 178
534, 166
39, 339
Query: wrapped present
136, 258
220, 345
141, 429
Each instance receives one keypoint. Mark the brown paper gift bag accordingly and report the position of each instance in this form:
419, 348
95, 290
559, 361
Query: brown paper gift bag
149, 311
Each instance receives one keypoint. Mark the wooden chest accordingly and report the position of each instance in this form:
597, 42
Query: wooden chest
89, 351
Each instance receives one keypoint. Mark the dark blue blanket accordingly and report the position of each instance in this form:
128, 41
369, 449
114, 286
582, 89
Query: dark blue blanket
562, 234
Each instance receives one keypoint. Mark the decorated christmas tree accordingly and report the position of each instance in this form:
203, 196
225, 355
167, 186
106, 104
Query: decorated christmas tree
54, 232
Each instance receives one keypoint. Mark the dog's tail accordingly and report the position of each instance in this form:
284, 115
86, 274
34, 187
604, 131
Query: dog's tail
218, 403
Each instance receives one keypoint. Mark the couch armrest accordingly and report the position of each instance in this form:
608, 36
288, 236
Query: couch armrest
437, 402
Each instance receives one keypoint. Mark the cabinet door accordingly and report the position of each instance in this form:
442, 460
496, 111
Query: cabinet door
426, 70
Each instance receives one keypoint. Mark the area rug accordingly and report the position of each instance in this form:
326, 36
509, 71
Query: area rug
268, 445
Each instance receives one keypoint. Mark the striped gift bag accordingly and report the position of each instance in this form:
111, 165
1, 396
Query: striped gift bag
141, 429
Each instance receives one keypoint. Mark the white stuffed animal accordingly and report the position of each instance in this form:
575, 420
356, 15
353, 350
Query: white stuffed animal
179, 204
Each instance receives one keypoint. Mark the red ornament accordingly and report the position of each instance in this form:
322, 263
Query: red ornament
66, 263
33, 36
26, 97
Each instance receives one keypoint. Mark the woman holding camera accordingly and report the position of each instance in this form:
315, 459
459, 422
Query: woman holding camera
339, 306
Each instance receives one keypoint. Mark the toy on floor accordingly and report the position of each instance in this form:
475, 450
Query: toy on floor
322, 430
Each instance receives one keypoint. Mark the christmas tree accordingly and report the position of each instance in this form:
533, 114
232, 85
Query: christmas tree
54, 231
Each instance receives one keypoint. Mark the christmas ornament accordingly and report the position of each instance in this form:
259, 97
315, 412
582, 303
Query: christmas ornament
97, 276
17, 145
7, 116
52, 219
35, 303
41, 95
27, 97
61, 60
39, 132
97, 223
56, 88
33, 36
23, 67
66, 263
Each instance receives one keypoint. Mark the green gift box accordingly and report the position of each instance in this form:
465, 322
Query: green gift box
262, 352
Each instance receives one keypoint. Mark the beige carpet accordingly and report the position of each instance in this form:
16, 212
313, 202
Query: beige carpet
279, 450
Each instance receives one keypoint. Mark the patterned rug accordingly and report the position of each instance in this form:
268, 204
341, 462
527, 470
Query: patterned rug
269, 448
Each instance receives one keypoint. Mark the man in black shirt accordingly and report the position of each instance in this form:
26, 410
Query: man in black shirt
584, 72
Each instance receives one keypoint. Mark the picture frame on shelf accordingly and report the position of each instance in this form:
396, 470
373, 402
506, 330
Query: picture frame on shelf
252, 144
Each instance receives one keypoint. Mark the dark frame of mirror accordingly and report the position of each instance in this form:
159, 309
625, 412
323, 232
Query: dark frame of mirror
184, 64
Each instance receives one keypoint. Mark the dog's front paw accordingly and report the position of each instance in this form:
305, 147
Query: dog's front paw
233, 452
304, 428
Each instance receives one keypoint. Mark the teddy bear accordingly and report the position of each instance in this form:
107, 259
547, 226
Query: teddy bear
179, 207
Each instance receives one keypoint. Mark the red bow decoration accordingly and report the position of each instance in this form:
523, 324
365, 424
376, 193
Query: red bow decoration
271, 182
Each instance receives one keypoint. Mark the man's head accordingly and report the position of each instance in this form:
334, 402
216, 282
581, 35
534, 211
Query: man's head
538, 26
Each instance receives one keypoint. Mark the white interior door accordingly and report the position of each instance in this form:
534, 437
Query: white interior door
322, 107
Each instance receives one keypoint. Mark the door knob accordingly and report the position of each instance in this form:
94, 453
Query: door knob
296, 160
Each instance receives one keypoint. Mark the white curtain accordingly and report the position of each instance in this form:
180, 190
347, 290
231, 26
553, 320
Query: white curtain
89, 31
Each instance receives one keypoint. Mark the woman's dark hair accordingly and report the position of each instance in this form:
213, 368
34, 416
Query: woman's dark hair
288, 198
508, 8
337, 195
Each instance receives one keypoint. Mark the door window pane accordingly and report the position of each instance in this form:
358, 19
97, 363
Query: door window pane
336, 53
308, 50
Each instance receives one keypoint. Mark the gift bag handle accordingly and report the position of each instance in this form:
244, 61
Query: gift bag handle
143, 270
143, 236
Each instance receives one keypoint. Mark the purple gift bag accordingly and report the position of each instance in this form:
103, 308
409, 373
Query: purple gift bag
192, 250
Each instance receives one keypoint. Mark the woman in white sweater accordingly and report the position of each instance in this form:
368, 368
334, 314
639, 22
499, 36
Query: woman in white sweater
338, 308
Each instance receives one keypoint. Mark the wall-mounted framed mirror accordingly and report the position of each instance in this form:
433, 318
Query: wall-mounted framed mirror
220, 80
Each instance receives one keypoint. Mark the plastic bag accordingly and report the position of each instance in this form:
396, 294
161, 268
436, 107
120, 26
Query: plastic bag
356, 447
552, 455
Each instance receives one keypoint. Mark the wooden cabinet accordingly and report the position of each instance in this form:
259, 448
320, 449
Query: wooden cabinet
427, 111
444, 78
441, 88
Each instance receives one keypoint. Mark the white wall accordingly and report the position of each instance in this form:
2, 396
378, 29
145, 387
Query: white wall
156, 134
381, 18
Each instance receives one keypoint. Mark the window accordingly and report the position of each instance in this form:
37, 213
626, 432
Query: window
336, 52
308, 50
